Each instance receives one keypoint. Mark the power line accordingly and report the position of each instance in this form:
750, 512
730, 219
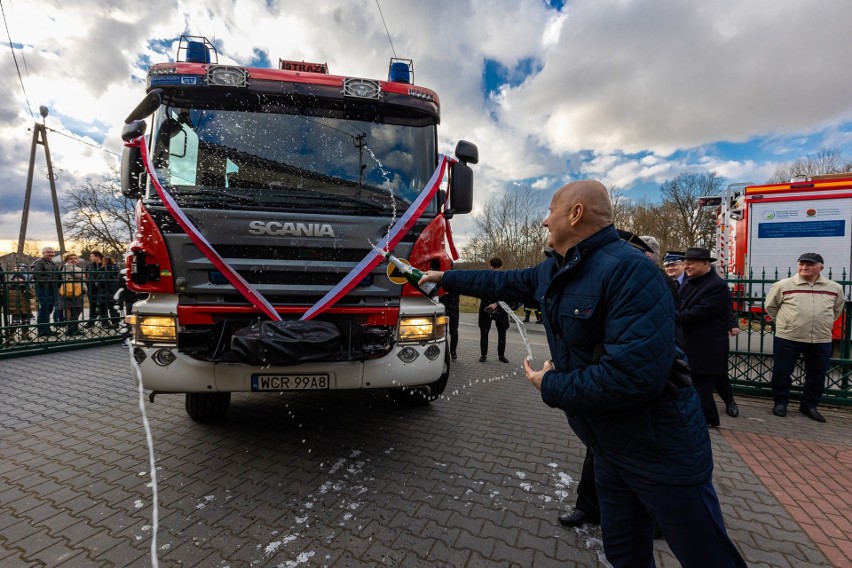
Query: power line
83, 141
386, 27
15, 58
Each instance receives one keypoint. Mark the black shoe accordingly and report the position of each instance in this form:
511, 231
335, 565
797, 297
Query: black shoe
539, 321
576, 518
732, 409
503, 359
482, 359
453, 355
812, 413
779, 410
527, 320
89, 324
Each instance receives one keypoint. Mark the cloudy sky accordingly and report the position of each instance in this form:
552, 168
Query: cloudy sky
631, 92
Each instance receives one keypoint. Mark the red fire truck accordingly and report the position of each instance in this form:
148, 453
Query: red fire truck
291, 175
762, 229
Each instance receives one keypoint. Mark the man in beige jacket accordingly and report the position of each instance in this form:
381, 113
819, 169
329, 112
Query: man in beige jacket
804, 308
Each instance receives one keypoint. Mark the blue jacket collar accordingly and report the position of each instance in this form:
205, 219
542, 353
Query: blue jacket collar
603, 237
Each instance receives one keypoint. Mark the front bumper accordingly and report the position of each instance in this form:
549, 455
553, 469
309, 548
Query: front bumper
186, 374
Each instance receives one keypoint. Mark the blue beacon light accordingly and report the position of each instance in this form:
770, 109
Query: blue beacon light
400, 71
197, 52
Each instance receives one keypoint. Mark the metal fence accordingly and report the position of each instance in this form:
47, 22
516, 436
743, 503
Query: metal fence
750, 361
96, 321
53, 311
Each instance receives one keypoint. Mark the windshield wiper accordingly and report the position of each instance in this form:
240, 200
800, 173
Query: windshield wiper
341, 199
223, 195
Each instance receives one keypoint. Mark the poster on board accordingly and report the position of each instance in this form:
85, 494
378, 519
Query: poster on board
782, 230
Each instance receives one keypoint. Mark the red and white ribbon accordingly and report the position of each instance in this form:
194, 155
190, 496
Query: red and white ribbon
450, 243
238, 282
395, 234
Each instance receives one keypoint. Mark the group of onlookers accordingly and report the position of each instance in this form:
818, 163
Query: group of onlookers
60, 290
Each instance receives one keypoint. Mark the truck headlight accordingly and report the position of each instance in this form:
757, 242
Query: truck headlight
155, 328
416, 328
422, 328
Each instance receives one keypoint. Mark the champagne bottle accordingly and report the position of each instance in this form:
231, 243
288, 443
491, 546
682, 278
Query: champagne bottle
413, 275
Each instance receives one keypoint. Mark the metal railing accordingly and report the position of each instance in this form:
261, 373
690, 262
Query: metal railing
750, 361
54, 311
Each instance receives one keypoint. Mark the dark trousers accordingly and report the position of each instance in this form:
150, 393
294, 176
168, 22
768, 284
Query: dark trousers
587, 494
704, 384
527, 312
689, 516
723, 387
453, 330
46, 304
485, 327
94, 307
817, 360
107, 308
72, 315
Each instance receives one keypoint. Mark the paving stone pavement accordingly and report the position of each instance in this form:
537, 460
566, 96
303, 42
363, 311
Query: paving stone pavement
353, 479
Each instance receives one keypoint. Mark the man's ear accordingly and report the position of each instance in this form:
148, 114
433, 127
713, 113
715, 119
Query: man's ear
576, 213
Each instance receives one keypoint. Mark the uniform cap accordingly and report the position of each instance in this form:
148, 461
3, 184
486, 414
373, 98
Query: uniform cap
673, 256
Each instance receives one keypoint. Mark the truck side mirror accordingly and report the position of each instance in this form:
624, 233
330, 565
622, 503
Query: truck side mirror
132, 173
461, 190
132, 168
467, 152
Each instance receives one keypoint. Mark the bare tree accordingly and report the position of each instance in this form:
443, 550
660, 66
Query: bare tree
621, 207
646, 218
826, 161
690, 224
31, 248
97, 215
510, 227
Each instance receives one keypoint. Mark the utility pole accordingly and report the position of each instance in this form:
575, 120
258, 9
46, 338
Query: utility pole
40, 137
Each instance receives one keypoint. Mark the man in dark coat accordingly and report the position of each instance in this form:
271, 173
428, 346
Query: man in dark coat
46, 277
490, 310
586, 509
451, 307
610, 324
708, 322
94, 277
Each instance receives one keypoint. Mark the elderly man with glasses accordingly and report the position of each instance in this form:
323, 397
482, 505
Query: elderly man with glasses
45, 277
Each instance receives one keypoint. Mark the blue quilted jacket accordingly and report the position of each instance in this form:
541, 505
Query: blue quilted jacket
607, 293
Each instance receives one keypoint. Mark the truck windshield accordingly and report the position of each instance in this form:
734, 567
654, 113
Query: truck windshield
290, 162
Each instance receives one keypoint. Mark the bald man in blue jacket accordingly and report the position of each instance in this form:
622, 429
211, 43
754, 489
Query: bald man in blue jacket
610, 324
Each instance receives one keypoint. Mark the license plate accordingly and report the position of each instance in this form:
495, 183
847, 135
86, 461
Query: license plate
288, 382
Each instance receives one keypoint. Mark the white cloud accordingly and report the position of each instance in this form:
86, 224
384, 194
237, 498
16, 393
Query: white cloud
657, 79
659, 75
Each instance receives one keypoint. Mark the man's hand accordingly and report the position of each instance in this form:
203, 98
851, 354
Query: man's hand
534, 376
432, 276
735, 331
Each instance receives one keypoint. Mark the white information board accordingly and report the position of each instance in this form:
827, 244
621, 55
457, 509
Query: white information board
780, 231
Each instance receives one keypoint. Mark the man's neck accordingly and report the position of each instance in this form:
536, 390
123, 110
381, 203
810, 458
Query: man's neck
582, 234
